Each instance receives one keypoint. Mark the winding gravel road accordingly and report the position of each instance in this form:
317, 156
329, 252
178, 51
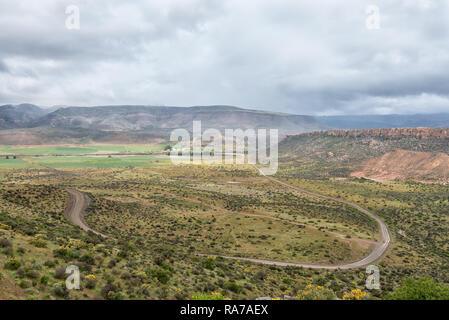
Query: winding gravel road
379, 249
78, 202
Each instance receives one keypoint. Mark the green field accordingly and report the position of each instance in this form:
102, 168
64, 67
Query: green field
14, 164
76, 150
83, 162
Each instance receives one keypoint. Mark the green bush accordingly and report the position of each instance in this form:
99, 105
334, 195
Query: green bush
44, 280
209, 264
87, 258
234, 287
162, 276
25, 284
12, 264
60, 290
422, 289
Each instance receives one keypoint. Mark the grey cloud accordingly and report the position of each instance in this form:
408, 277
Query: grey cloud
3, 67
293, 56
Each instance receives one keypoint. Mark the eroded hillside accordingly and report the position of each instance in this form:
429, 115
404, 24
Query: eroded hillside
338, 153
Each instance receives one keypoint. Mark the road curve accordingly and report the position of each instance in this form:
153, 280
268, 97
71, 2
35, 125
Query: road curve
78, 202
379, 249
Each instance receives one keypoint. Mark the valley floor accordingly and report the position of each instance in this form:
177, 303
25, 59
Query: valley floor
167, 225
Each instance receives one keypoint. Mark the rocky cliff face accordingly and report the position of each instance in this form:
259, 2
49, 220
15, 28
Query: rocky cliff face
395, 133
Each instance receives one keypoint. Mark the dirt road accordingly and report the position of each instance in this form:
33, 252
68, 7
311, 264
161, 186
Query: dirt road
78, 202
379, 249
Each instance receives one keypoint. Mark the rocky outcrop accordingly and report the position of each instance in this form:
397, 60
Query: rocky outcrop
395, 133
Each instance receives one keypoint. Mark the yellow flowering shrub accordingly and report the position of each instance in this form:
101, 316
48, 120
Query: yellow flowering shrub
314, 292
38, 242
355, 294
91, 277
139, 274
4, 226
212, 296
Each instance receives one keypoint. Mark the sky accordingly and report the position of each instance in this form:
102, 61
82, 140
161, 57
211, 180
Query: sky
321, 57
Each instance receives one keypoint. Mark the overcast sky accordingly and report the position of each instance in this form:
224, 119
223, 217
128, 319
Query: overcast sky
297, 56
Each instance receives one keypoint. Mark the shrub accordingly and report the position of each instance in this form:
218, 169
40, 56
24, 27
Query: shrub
108, 291
5, 243
20, 273
314, 292
60, 290
87, 258
126, 275
38, 242
112, 263
25, 284
9, 251
212, 296
162, 276
234, 287
5, 226
421, 289
12, 264
260, 275
355, 294
32, 274
209, 264
44, 280
60, 273
74, 254
90, 284
50, 263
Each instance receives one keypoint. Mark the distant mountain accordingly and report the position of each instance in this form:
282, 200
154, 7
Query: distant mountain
147, 118
18, 116
440, 120
29, 124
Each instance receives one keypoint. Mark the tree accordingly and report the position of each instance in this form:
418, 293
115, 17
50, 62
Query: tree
422, 289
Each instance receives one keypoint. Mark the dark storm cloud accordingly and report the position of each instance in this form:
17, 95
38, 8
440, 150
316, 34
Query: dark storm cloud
292, 56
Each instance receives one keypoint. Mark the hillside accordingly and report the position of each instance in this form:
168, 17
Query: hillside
56, 136
19, 116
405, 165
134, 118
29, 124
440, 120
338, 153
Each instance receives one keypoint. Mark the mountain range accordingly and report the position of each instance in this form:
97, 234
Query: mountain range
31, 124
148, 118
